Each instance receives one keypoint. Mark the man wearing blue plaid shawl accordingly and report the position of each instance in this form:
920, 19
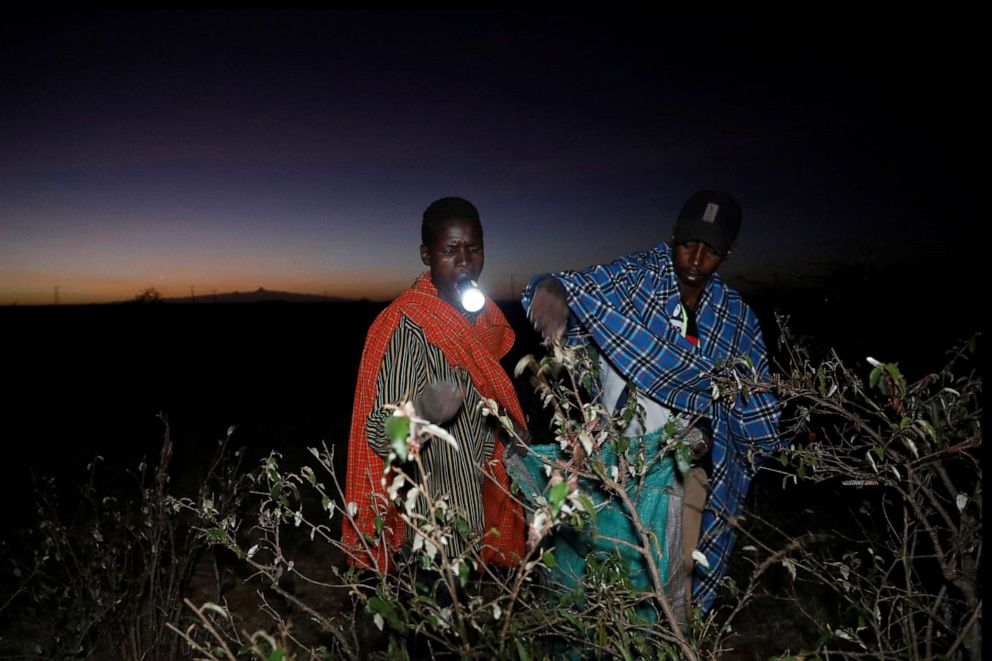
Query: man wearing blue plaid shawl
665, 321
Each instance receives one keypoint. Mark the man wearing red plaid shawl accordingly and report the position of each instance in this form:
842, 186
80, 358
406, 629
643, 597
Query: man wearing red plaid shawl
427, 349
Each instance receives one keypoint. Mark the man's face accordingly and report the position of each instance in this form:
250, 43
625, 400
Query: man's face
695, 262
456, 252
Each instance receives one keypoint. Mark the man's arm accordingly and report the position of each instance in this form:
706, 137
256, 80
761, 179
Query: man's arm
403, 376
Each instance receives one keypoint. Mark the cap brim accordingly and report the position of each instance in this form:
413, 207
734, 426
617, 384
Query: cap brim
696, 229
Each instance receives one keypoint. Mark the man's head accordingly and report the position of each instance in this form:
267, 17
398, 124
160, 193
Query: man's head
704, 236
452, 247
710, 216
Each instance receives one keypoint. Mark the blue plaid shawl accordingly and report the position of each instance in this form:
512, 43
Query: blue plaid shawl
626, 306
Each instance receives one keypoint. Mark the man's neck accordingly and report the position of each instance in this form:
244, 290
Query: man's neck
691, 295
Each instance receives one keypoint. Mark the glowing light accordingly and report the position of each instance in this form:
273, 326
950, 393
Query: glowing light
471, 297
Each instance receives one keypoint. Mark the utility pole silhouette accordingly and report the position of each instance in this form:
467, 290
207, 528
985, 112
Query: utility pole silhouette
192, 295
56, 294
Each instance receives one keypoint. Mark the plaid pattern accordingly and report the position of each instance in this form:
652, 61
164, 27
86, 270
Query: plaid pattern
626, 307
475, 348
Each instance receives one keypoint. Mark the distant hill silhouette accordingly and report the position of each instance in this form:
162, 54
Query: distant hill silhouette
260, 295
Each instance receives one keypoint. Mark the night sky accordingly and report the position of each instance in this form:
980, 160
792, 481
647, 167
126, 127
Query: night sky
297, 150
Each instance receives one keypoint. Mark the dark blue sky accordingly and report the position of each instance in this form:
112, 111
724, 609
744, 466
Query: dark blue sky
297, 150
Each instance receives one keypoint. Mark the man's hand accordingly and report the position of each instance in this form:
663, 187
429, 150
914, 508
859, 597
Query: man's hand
549, 308
440, 401
519, 440
699, 442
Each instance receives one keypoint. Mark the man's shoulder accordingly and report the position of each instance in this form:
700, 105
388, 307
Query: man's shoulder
394, 315
648, 259
733, 303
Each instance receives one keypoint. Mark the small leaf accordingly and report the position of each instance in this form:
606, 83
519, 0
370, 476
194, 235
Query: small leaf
398, 430
698, 556
928, 428
557, 496
683, 458
522, 364
873, 378
521, 650
589, 507
961, 500
549, 559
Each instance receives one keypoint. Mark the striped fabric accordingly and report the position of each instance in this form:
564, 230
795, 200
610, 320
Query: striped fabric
419, 339
409, 363
626, 307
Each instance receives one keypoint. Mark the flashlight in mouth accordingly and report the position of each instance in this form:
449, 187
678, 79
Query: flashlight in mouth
469, 294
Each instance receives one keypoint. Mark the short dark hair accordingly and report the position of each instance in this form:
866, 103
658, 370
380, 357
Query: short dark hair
443, 210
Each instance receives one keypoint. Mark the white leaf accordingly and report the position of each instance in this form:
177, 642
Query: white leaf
379, 622
352, 508
411, 500
395, 487
961, 501
211, 606
749, 548
519, 369
873, 362
497, 612
443, 434
790, 566
586, 439
871, 460
252, 551
698, 556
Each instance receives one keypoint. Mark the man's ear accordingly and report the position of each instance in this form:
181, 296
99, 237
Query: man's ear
425, 255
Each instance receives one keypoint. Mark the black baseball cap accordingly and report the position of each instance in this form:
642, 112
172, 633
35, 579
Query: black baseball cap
711, 216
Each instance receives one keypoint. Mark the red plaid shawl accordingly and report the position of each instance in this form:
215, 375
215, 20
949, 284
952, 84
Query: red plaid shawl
476, 348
